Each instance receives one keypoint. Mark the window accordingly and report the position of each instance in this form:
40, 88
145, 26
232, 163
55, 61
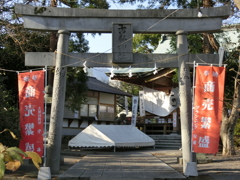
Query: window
102, 109
106, 112
88, 110
110, 109
84, 110
92, 111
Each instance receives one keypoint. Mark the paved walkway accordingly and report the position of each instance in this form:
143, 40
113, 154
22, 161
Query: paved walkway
121, 165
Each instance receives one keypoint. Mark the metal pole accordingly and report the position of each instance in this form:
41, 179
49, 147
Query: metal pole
45, 122
193, 93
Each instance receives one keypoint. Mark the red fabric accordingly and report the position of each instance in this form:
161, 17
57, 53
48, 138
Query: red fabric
31, 105
208, 104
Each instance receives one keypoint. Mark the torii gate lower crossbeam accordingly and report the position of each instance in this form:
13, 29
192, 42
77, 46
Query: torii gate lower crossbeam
40, 59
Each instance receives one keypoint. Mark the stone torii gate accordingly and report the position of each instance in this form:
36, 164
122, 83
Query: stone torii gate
122, 24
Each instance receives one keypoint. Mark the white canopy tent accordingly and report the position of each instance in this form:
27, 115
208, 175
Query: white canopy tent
111, 136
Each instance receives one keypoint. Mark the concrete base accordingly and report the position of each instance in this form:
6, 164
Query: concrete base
191, 169
44, 173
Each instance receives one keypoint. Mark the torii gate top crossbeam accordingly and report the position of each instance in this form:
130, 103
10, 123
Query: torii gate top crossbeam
143, 21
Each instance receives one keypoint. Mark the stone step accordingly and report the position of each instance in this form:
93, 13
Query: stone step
167, 141
167, 147
168, 144
155, 137
177, 146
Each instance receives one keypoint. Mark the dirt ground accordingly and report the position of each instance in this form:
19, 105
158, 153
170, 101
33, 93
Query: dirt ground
221, 168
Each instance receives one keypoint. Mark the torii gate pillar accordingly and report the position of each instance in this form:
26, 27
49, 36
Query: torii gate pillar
57, 108
185, 97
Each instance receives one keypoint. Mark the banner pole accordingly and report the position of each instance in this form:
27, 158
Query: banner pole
194, 73
45, 120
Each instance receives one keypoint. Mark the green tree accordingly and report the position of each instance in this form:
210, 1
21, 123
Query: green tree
78, 43
129, 88
145, 43
231, 103
9, 116
14, 42
76, 92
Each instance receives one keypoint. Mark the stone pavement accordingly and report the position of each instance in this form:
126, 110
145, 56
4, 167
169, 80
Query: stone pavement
128, 165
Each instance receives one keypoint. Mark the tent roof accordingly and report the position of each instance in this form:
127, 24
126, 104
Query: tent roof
96, 85
111, 136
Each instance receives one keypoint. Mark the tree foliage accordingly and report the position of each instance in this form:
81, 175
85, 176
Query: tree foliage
129, 88
78, 43
76, 88
9, 117
94, 4
145, 43
14, 42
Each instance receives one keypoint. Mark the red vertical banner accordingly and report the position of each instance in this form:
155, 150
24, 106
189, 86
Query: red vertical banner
31, 105
208, 104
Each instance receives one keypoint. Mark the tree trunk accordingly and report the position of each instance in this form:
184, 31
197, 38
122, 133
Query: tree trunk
229, 123
237, 3
53, 47
207, 48
227, 131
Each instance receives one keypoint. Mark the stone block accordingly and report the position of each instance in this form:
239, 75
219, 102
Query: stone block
179, 160
44, 173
